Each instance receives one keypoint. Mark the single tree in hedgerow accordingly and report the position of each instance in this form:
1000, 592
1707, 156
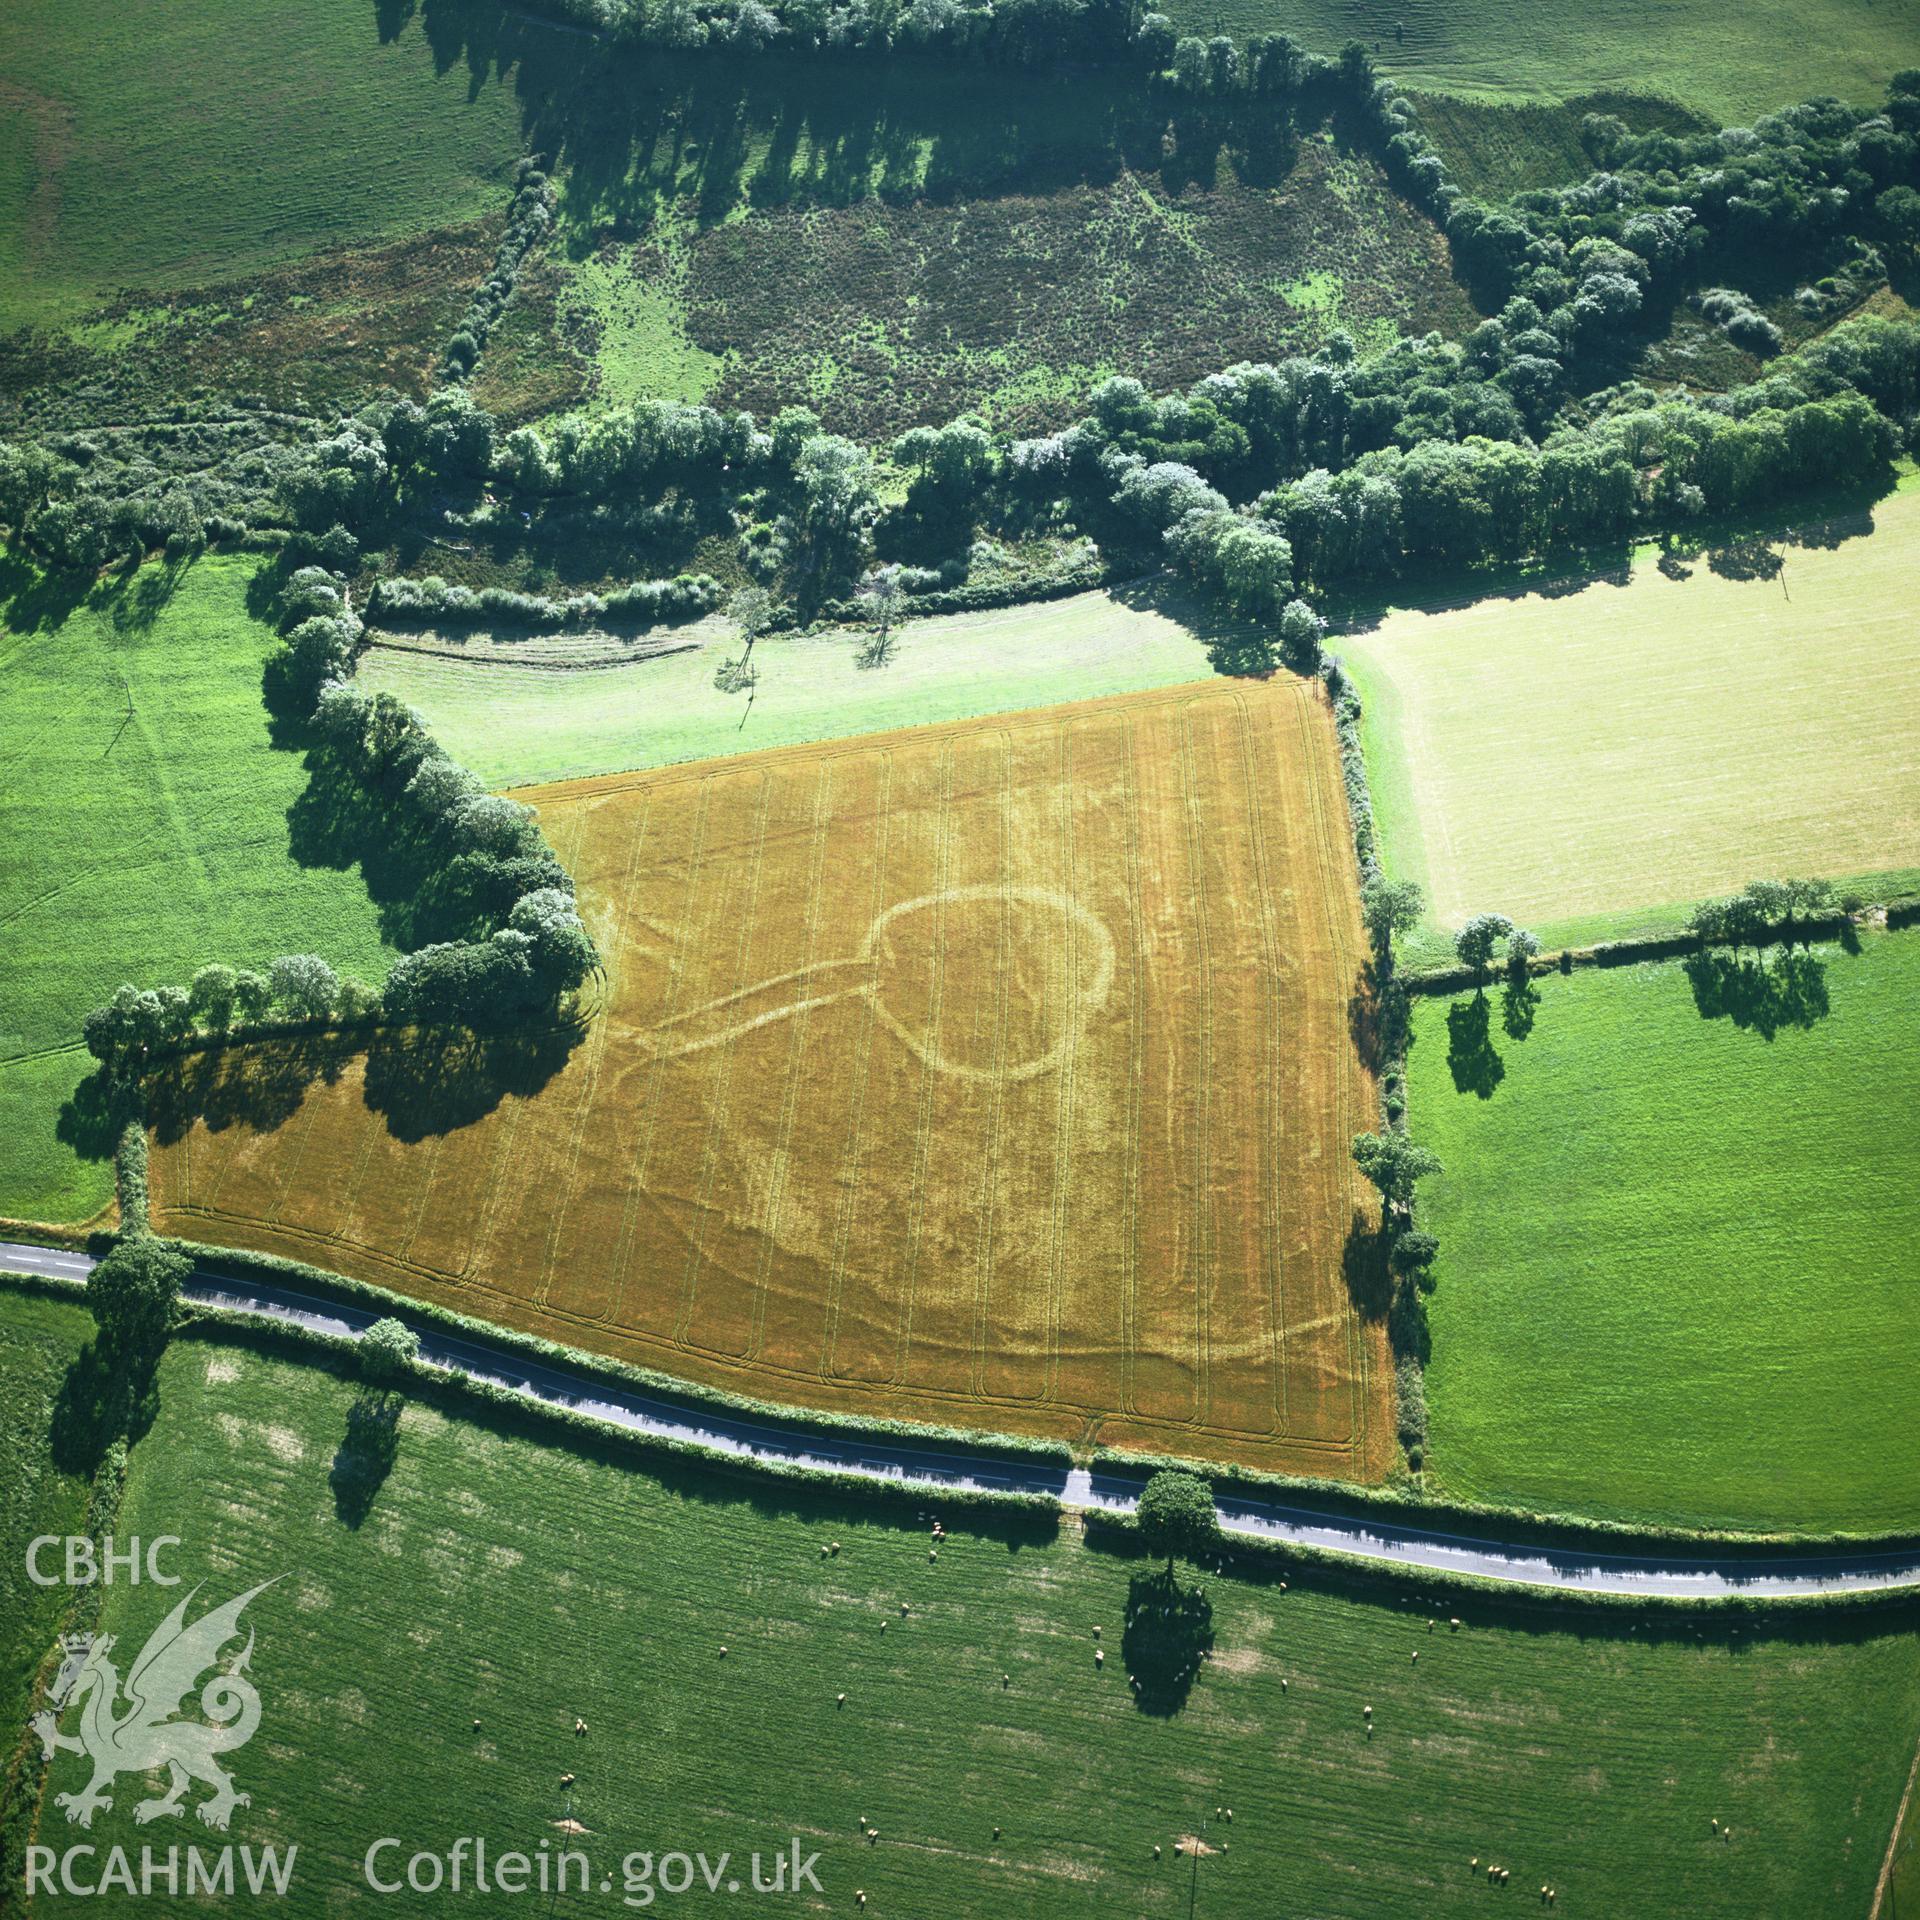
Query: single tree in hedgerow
389, 1350
1475, 942
133, 1293
1389, 907
1177, 1517
1394, 1164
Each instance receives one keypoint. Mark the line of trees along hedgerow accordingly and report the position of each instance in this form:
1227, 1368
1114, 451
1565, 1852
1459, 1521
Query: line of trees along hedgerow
1271, 486
488, 876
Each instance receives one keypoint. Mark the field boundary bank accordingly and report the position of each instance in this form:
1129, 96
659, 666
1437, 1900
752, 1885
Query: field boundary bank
562, 1396
390, 640
1899, 913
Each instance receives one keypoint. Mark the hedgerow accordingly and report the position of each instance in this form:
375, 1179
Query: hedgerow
460, 1393
403, 601
619, 1374
529, 220
1513, 1526
1488, 1602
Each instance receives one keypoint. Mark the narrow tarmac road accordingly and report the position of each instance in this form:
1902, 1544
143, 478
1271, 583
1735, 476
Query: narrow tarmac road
1705, 1576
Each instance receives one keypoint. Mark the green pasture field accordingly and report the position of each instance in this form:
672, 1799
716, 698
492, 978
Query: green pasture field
1691, 735
177, 145
1495, 148
496, 1590
38, 1341
522, 725
1675, 1280
140, 845
900, 243
1726, 58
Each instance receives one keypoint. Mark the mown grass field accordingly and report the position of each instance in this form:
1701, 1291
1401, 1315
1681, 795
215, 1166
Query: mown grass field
169, 146
996, 1074
1728, 60
1674, 1279
1690, 735
521, 1585
140, 844
38, 1340
566, 722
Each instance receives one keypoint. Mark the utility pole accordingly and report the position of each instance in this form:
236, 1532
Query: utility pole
1193, 1880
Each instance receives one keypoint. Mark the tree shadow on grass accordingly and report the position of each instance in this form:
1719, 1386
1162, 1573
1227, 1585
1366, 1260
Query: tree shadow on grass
140, 595
1792, 992
1519, 1002
366, 1455
1472, 1058
93, 1115
109, 1393
1169, 1633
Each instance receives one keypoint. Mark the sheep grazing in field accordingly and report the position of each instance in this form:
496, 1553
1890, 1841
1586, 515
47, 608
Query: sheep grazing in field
860, 1896
996, 1833
579, 1728
1096, 1633
723, 1653
1475, 1863
1453, 1625
566, 1779
1156, 1850
933, 1554
1366, 1713
1283, 1686
839, 1699
1416, 1657
835, 1546
1099, 1657
476, 1726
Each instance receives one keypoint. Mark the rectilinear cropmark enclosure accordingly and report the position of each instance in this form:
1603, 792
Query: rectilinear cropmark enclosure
996, 1073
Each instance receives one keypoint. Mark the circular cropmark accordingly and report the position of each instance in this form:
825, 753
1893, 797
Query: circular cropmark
1047, 961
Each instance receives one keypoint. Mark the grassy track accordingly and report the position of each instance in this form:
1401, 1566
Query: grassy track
608, 720
1674, 1281
38, 1341
519, 1586
996, 1073
171, 145
1727, 59
138, 848
1690, 736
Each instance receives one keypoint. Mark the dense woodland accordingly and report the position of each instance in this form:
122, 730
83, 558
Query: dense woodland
1269, 485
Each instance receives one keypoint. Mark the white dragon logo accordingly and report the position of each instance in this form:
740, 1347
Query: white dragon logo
147, 1737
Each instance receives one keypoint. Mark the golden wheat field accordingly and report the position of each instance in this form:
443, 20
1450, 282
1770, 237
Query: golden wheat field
997, 1073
